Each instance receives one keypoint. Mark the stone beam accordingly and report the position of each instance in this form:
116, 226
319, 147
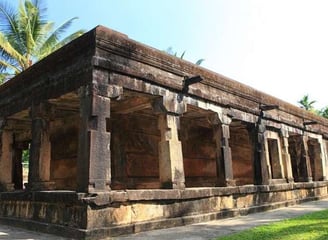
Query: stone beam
133, 105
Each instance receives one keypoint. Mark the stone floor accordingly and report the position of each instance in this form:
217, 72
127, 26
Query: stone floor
201, 231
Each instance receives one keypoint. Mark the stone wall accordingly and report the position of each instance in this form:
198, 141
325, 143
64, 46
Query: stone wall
121, 212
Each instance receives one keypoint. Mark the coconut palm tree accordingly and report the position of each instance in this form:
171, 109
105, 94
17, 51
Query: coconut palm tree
306, 103
26, 36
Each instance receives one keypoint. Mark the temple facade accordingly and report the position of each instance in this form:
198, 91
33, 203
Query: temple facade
125, 138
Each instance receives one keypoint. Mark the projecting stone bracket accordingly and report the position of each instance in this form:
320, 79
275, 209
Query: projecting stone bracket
169, 104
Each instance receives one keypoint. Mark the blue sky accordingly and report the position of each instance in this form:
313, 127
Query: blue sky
276, 46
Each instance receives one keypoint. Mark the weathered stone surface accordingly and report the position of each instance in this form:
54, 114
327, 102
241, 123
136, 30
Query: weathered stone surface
138, 147
6, 152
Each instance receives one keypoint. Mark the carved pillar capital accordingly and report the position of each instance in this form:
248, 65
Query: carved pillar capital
169, 105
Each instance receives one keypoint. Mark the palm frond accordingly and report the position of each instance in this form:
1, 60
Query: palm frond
182, 55
28, 14
54, 37
6, 47
26, 35
9, 59
200, 61
7, 65
70, 38
39, 27
7, 19
60, 44
10, 27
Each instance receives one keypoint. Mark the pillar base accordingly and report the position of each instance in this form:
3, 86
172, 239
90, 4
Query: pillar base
226, 183
40, 186
309, 179
230, 183
7, 187
170, 185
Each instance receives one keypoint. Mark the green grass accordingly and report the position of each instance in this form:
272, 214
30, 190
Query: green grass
312, 226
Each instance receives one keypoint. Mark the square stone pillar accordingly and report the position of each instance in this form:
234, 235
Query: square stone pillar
323, 158
171, 171
305, 159
17, 165
94, 155
6, 161
286, 157
223, 155
261, 162
40, 150
170, 153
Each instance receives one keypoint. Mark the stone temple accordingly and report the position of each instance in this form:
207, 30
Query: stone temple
125, 138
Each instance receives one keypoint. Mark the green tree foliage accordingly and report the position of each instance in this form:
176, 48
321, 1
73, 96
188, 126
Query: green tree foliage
173, 53
307, 104
26, 36
324, 112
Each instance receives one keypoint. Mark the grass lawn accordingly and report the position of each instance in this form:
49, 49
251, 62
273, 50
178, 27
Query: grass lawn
312, 226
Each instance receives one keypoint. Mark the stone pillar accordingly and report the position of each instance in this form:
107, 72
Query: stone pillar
94, 155
171, 169
323, 159
261, 163
286, 157
17, 166
305, 160
223, 154
40, 150
6, 160
170, 153
307, 172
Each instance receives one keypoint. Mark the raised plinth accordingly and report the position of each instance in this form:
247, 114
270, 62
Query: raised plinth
40, 186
